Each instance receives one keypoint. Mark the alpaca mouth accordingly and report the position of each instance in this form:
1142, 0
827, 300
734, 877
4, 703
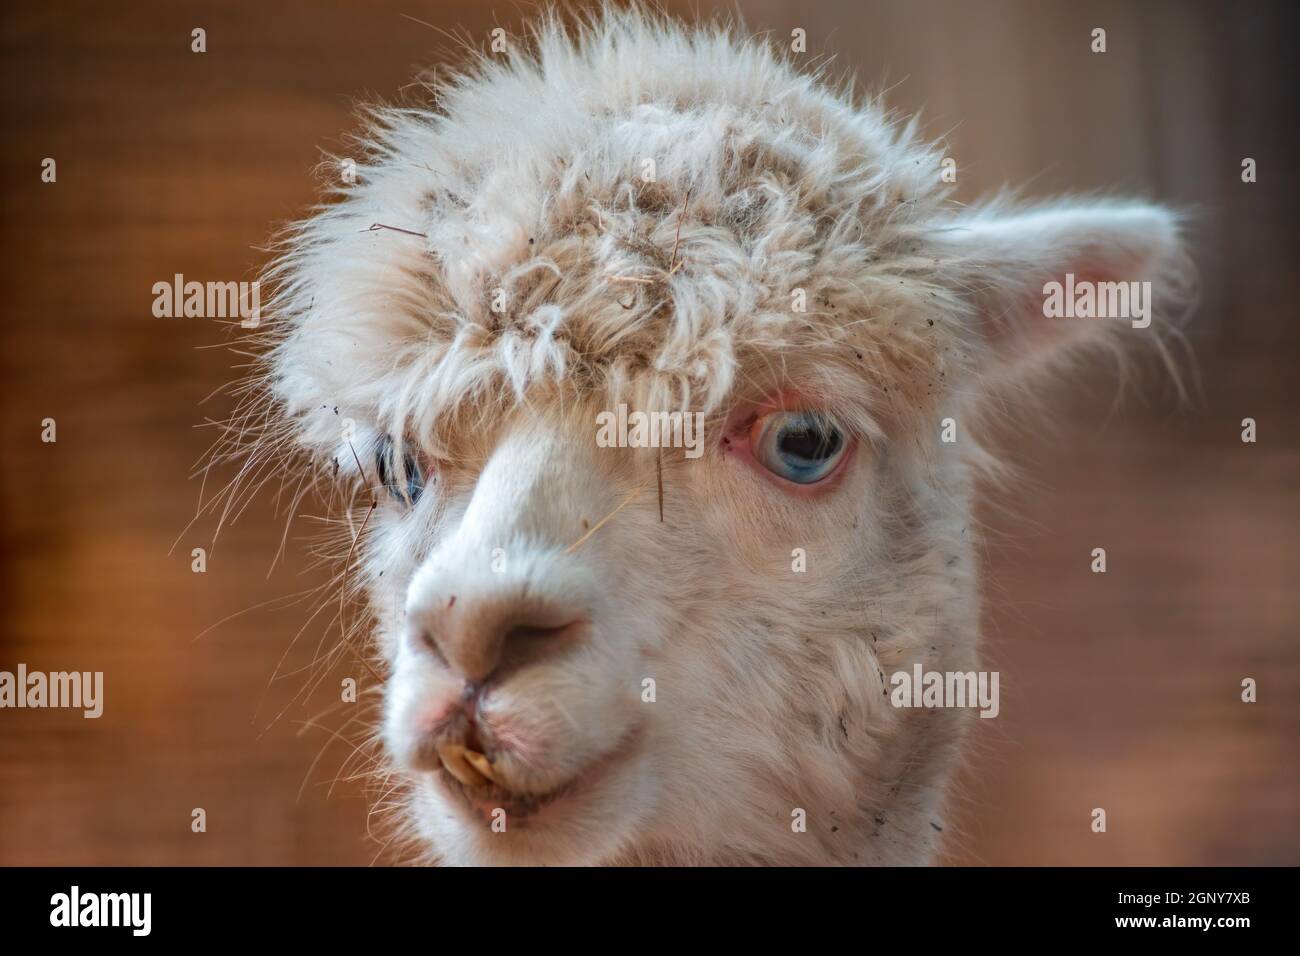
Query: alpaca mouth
486, 798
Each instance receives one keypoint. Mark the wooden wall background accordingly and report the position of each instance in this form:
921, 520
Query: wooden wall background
1118, 691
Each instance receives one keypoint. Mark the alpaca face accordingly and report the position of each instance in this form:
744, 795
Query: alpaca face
580, 667
654, 689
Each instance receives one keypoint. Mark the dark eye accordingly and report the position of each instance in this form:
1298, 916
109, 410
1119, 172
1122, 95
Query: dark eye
802, 447
404, 483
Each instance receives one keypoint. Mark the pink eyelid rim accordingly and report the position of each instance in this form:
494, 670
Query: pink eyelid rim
739, 443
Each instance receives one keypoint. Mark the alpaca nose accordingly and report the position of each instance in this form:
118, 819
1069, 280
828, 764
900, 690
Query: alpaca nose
476, 635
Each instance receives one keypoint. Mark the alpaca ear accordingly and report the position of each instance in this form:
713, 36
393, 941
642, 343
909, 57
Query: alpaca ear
1046, 278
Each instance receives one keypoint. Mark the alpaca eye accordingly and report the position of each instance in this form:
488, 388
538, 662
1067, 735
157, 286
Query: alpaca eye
404, 484
802, 447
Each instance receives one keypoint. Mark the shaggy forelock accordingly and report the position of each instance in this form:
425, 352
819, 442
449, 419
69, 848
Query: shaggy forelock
513, 238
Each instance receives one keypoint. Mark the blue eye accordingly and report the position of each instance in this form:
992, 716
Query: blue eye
803, 447
405, 485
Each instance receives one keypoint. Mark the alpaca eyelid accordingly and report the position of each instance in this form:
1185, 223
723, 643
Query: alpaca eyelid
416, 472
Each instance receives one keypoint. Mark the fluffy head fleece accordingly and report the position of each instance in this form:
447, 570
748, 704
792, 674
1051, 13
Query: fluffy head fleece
599, 654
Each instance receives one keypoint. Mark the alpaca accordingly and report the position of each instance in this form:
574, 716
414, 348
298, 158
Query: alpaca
613, 652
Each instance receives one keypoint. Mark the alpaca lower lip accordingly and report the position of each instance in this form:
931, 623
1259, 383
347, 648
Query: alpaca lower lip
484, 801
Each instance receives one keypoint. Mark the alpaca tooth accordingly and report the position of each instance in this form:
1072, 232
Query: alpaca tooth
453, 758
480, 763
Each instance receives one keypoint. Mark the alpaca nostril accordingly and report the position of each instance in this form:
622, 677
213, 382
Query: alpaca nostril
427, 640
501, 624
533, 633
525, 643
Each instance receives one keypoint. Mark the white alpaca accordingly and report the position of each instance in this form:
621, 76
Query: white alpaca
580, 669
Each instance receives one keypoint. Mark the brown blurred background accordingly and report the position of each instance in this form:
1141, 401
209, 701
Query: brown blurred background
1118, 690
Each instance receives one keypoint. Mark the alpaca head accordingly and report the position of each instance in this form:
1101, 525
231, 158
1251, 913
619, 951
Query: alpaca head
596, 651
